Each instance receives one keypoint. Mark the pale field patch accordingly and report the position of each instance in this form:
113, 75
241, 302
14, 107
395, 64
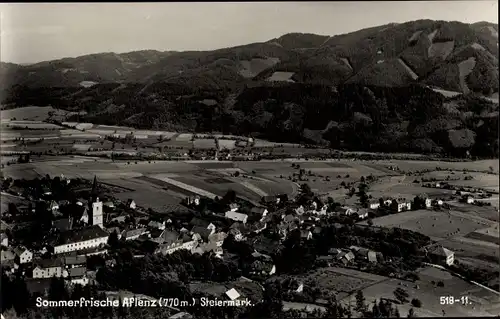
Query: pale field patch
229, 144
441, 49
184, 137
281, 77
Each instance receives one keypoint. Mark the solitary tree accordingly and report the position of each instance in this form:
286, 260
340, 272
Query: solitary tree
360, 302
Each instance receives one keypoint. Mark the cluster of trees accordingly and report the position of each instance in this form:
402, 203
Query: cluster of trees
354, 117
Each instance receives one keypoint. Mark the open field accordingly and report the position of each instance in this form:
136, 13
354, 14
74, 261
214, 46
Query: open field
339, 282
34, 113
412, 166
482, 300
435, 224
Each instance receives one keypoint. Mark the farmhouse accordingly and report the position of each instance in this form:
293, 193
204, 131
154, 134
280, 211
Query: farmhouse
78, 275
217, 238
48, 268
81, 239
202, 223
4, 239
173, 241
133, 234
362, 213
24, 255
74, 261
469, 199
374, 204
202, 232
441, 255
131, 204
237, 216
346, 210
7, 258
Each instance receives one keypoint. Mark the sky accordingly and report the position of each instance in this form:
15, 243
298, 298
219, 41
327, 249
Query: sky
34, 32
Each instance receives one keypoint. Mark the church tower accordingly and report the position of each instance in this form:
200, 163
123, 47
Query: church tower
96, 209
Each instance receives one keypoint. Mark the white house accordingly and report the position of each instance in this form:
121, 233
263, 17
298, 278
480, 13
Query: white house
131, 204
157, 225
232, 294
428, 203
237, 216
4, 239
347, 210
24, 255
78, 275
81, 239
48, 268
374, 204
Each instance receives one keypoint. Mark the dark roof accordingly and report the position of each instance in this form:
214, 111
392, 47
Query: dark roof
49, 263
199, 222
77, 272
62, 224
204, 232
88, 233
258, 210
169, 236
268, 199
265, 245
75, 260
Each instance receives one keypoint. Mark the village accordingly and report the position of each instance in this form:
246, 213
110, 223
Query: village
72, 229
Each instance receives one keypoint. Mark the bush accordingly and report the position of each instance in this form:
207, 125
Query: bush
440, 284
416, 303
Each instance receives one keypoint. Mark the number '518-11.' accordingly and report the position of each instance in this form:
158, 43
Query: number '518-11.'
450, 300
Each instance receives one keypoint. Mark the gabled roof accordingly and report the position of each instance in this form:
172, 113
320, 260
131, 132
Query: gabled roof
75, 260
77, 272
372, 256
133, 232
83, 234
7, 255
202, 231
63, 224
195, 221
49, 263
441, 251
232, 294
19, 250
258, 210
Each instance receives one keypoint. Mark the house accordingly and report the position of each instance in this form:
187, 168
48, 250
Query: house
4, 240
326, 259
262, 267
217, 238
53, 206
306, 234
109, 204
346, 210
232, 294
469, 199
7, 258
24, 255
437, 202
133, 234
259, 211
374, 204
234, 207
362, 213
208, 247
441, 255
237, 216
80, 239
48, 268
428, 203
202, 223
131, 204
372, 257
78, 275
236, 232
346, 258
74, 261
203, 233
173, 241
157, 225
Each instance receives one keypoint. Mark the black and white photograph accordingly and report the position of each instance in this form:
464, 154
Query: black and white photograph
249, 160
